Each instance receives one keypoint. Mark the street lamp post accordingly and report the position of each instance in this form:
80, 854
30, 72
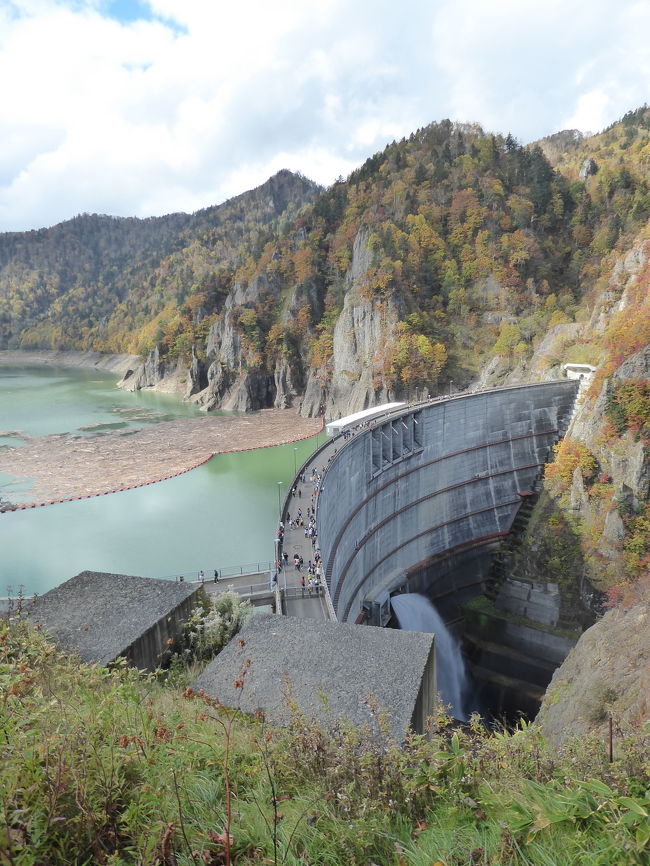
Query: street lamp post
277, 557
279, 483
295, 466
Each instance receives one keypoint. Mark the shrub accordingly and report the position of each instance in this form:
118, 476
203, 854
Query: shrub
628, 405
569, 456
214, 623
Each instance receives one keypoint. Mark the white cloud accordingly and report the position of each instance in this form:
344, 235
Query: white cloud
201, 99
590, 113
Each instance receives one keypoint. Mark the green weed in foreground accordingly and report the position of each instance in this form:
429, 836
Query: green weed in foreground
113, 767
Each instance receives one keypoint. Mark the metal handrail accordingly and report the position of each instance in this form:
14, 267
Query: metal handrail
246, 589
225, 572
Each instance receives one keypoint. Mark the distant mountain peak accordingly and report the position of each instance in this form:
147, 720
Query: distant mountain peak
555, 146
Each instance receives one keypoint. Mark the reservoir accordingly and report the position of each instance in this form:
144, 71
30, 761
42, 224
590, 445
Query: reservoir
224, 513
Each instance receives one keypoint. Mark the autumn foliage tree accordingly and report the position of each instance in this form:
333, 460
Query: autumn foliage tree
414, 359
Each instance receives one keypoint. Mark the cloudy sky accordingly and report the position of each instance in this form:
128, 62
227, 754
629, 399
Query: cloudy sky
143, 107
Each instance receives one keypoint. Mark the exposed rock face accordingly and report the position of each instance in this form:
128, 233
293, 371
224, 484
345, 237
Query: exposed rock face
362, 330
227, 379
150, 373
288, 384
588, 168
195, 377
597, 679
626, 460
173, 377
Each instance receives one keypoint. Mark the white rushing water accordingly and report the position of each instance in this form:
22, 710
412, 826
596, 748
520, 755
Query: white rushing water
415, 612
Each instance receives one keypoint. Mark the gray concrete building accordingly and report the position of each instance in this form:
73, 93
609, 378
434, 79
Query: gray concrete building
329, 670
103, 616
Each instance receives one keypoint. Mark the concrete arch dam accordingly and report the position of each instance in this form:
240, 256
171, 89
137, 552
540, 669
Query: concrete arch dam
422, 497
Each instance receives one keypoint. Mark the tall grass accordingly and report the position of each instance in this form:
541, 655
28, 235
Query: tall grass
115, 767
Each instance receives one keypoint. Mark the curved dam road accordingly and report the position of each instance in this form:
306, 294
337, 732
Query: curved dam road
435, 482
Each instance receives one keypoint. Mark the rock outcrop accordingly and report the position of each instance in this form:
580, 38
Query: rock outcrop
233, 377
363, 329
597, 680
588, 168
155, 373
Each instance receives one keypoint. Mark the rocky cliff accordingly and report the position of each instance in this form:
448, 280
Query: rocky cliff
232, 377
364, 327
607, 674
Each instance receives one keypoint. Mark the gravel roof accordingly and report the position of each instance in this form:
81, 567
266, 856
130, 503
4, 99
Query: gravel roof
331, 669
100, 615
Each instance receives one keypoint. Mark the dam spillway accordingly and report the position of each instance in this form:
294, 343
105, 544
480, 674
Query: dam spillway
420, 498
414, 612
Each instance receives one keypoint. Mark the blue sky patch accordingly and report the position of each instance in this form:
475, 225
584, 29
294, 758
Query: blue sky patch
127, 10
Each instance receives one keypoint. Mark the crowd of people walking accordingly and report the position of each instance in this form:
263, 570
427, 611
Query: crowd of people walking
301, 518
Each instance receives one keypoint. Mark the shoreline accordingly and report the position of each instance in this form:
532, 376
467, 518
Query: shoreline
115, 364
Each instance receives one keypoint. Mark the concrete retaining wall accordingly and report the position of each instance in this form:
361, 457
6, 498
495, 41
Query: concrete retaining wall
154, 647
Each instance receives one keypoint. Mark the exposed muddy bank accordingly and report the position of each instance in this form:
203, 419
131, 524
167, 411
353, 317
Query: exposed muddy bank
118, 365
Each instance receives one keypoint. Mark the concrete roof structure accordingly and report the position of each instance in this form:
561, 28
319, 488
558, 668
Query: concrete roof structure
104, 616
577, 371
334, 427
330, 670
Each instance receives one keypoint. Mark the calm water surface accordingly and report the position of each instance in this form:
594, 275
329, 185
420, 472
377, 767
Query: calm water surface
35, 401
221, 514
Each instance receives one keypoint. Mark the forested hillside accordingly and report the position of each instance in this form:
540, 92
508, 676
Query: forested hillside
452, 259
438, 253
93, 281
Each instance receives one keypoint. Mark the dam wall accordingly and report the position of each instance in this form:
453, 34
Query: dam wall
434, 482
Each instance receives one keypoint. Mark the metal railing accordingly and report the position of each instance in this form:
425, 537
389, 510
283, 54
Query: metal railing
191, 575
266, 588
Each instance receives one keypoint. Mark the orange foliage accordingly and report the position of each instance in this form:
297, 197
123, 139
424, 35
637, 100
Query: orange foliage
303, 264
628, 331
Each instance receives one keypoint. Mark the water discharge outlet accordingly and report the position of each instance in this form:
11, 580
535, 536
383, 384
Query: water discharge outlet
414, 612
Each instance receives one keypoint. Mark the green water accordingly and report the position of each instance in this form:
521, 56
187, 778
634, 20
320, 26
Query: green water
221, 514
35, 401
